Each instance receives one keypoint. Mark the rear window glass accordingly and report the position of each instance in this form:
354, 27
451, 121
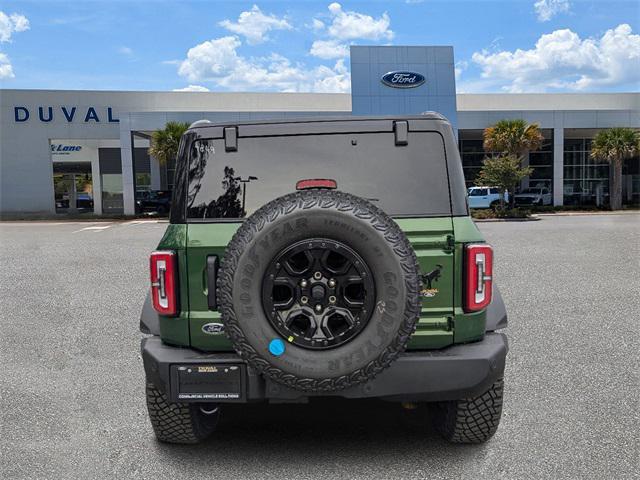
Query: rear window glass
406, 180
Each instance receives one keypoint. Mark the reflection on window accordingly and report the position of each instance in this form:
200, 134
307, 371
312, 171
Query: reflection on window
401, 181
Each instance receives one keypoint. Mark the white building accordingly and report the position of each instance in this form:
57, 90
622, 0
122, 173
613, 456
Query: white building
69, 151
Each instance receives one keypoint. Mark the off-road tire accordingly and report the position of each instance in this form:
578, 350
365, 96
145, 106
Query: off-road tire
303, 215
183, 423
470, 420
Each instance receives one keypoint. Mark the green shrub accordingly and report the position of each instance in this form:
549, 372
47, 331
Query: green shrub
500, 213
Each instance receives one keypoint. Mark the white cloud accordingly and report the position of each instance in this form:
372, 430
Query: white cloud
346, 26
6, 70
192, 88
210, 59
547, 9
349, 25
327, 49
460, 67
10, 24
332, 80
254, 25
561, 60
219, 62
125, 51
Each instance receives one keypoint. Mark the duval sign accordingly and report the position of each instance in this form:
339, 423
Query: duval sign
65, 113
403, 79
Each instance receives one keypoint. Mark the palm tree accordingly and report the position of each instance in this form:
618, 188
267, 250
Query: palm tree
512, 137
614, 146
165, 142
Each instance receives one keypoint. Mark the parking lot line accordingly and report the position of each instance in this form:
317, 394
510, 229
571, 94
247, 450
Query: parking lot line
94, 228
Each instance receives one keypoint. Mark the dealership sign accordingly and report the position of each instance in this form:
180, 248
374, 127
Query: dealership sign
62, 149
403, 79
66, 113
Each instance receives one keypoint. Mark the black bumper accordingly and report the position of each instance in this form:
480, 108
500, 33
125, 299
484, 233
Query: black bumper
452, 373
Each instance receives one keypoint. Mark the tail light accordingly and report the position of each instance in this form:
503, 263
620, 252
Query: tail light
478, 277
164, 282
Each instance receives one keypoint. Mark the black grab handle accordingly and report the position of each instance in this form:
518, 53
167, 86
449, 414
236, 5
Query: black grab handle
212, 279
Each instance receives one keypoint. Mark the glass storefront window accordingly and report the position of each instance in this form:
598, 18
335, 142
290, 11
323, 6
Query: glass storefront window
542, 163
586, 181
112, 200
143, 181
73, 187
472, 154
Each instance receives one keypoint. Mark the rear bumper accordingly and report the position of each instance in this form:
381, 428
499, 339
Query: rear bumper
452, 373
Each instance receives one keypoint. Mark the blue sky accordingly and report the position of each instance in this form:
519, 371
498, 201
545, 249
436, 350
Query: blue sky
500, 46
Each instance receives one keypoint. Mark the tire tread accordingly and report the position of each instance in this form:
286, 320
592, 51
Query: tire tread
177, 422
471, 420
351, 205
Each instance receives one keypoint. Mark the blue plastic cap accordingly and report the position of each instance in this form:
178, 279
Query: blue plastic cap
276, 347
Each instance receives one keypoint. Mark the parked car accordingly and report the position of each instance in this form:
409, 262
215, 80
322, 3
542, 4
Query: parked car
350, 269
534, 196
153, 201
83, 201
485, 197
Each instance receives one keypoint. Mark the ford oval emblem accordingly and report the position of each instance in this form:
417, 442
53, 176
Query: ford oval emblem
213, 328
402, 79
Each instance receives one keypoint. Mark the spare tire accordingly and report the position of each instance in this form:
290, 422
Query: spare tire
319, 290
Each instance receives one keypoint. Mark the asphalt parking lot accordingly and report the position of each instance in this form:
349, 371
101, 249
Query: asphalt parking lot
71, 387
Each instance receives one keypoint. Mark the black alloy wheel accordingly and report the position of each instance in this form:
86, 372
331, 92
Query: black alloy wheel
318, 293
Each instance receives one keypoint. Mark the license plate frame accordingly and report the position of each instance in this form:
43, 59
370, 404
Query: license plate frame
208, 382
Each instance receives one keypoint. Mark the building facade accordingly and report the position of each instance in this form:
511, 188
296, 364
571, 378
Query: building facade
86, 151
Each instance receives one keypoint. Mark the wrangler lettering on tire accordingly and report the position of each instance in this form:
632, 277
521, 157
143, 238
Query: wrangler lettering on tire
333, 276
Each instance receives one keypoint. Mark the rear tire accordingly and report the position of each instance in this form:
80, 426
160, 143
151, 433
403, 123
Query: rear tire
183, 423
494, 205
470, 420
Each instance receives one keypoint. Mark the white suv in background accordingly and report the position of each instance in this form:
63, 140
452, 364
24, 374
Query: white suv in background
485, 197
534, 196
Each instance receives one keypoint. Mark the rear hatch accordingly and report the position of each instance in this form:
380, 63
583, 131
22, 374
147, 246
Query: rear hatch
400, 166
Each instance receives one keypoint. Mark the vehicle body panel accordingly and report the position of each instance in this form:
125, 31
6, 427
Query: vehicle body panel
437, 240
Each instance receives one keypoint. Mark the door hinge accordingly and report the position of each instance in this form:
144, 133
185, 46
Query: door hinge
401, 132
231, 139
450, 243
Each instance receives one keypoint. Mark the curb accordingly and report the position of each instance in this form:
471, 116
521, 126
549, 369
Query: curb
577, 214
490, 220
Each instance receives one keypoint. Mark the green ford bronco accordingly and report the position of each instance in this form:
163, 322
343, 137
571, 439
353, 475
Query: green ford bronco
322, 257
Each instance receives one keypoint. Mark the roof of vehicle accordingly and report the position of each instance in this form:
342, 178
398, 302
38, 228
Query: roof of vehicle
204, 123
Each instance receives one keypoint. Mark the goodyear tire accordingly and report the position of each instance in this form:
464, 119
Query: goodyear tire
470, 420
185, 423
317, 357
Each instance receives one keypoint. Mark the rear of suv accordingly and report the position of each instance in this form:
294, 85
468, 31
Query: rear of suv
324, 257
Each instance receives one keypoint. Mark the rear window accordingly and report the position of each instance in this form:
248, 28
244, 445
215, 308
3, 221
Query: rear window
406, 180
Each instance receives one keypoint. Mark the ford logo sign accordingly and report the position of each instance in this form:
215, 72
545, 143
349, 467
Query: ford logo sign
213, 328
402, 79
